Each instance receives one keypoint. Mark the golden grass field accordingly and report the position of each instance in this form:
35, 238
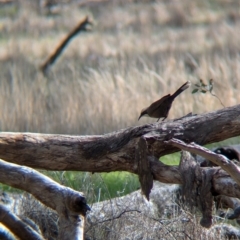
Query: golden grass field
136, 53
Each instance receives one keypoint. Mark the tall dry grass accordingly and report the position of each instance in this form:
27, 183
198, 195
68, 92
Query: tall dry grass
135, 54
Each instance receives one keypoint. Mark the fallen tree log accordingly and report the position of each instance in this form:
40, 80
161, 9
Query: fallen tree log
136, 150
116, 151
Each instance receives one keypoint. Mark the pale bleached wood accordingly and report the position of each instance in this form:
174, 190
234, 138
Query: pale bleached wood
69, 204
17, 226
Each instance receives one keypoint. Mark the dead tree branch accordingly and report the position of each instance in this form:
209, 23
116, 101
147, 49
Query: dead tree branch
69, 204
197, 186
144, 168
82, 26
229, 166
198, 183
17, 226
117, 151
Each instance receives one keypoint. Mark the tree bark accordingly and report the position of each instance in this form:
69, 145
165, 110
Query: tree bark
116, 151
69, 204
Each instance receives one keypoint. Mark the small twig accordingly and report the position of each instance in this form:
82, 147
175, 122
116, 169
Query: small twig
204, 88
217, 98
112, 218
118, 216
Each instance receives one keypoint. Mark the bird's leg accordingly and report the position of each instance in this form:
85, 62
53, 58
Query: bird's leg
158, 120
163, 119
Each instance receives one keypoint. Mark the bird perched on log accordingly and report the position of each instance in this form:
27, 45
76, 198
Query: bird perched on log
161, 107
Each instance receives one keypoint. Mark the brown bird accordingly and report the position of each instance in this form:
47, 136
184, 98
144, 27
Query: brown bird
161, 107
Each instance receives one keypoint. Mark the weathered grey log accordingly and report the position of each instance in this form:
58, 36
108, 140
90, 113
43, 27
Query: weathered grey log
227, 202
69, 204
117, 151
223, 202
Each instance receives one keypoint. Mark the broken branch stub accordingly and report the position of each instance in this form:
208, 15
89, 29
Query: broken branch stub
197, 185
187, 170
144, 168
206, 198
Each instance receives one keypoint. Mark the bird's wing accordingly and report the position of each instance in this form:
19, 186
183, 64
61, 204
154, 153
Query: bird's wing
154, 106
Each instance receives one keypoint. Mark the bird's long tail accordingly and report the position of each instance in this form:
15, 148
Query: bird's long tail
181, 89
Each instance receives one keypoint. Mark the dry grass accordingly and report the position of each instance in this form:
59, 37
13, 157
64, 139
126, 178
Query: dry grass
135, 54
131, 217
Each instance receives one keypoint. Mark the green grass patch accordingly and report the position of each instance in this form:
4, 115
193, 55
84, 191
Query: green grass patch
171, 159
98, 186
227, 142
174, 159
6, 188
10, 11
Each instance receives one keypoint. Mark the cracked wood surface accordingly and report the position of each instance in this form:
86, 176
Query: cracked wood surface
116, 151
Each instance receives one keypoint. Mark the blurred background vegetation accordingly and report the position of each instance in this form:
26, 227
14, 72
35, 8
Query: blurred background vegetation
137, 52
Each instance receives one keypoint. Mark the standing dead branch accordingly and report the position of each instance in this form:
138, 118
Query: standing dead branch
197, 185
81, 27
